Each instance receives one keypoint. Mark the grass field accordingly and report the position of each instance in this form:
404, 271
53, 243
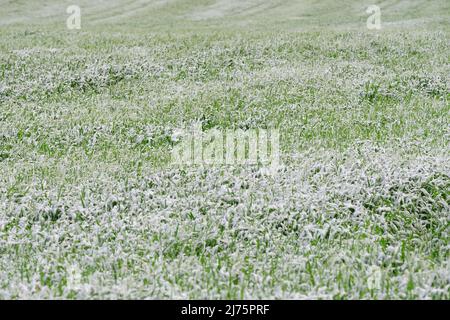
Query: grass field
91, 207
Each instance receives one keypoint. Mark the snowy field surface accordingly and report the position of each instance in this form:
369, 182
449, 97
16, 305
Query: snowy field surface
91, 205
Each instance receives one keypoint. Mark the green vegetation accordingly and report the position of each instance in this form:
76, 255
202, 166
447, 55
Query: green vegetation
90, 206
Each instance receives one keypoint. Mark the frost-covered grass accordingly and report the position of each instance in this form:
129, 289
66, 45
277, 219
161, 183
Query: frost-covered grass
90, 206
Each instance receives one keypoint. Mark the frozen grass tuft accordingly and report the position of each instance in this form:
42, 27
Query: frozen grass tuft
90, 206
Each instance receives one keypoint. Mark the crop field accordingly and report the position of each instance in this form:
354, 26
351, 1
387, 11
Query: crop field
92, 205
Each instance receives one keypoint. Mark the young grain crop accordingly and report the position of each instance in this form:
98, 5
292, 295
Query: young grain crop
91, 207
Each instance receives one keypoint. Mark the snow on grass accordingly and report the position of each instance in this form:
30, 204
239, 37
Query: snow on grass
323, 218
91, 207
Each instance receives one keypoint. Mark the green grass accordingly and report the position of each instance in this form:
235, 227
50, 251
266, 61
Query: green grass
87, 117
